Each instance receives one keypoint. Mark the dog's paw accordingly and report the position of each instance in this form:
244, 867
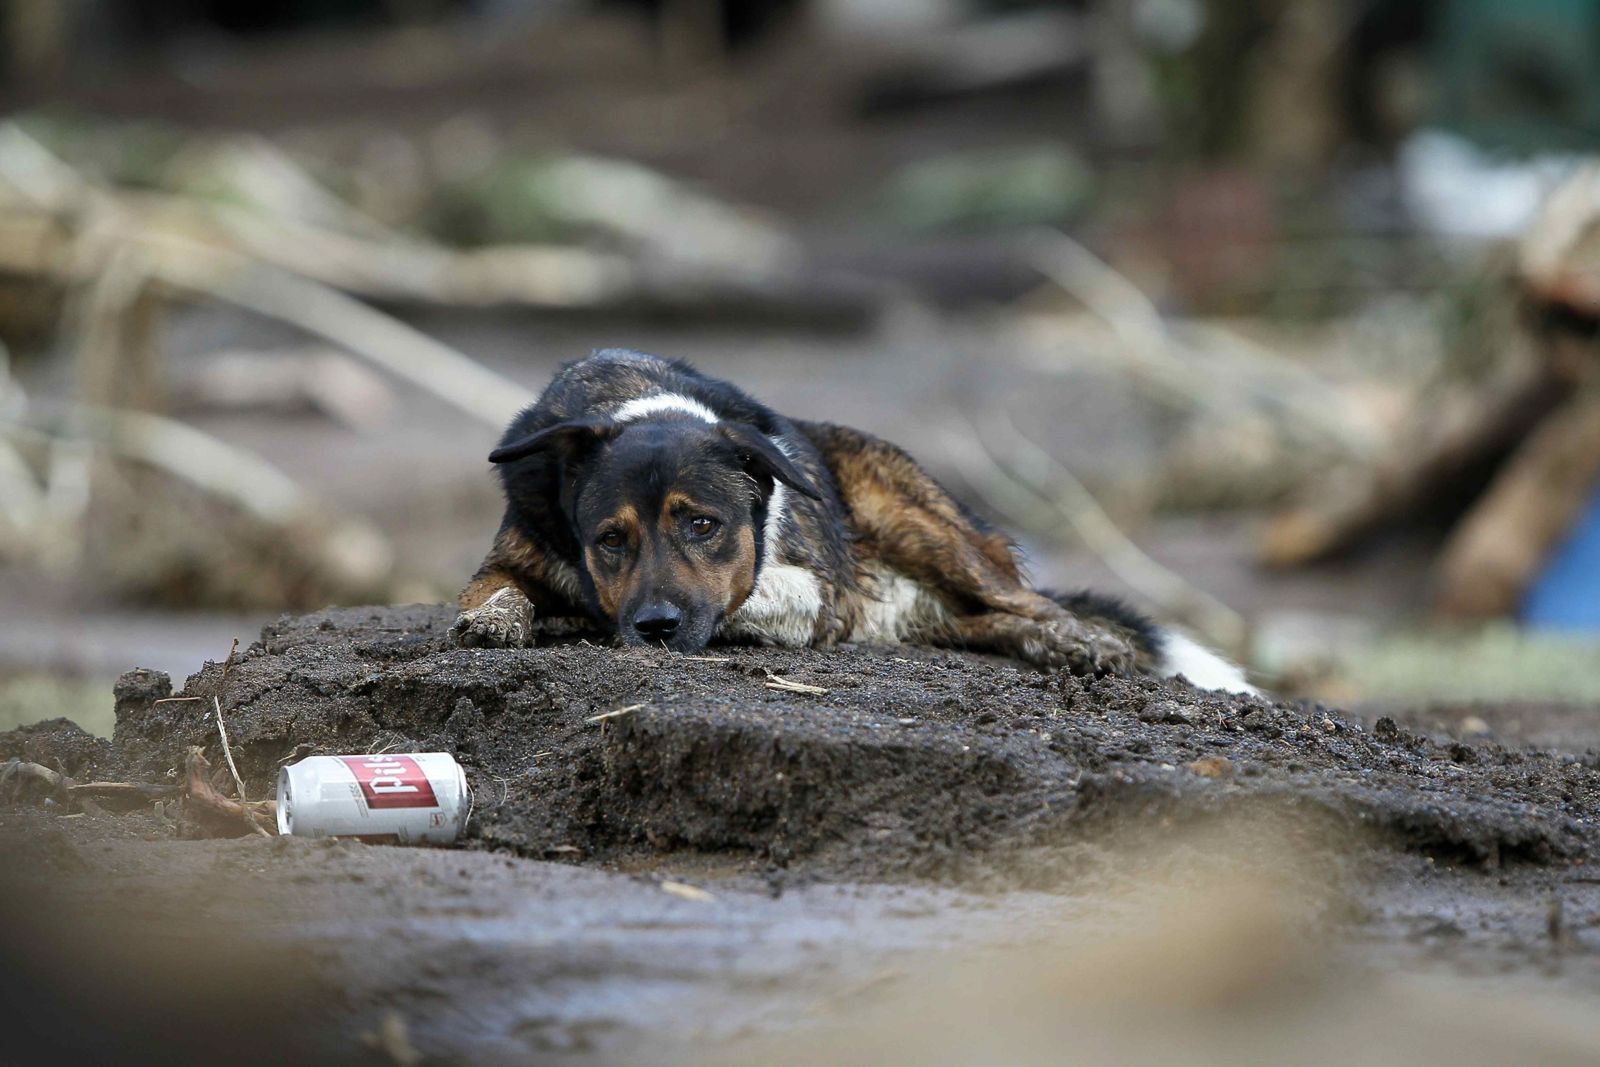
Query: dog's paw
505, 620
1081, 648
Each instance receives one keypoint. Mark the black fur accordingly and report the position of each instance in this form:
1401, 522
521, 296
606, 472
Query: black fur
1147, 637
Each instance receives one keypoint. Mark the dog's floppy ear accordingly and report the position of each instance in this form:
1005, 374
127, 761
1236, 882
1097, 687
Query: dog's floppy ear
761, 456
566, 440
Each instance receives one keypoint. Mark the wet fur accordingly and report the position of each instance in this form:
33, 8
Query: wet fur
861, 543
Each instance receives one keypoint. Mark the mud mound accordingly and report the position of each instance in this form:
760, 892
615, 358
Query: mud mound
912, 762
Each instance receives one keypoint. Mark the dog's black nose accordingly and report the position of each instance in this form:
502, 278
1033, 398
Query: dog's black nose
658, 621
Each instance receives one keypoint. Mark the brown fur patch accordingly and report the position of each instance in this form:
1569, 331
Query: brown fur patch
512, 562
740, 575
676, 503
907, 521
611, 582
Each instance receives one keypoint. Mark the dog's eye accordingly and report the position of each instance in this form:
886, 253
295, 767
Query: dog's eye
611, 539
703, 526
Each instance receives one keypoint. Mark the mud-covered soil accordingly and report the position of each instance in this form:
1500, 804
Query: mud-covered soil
913, 763
924, 799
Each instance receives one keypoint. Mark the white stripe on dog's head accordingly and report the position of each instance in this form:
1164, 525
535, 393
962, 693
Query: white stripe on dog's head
663, 402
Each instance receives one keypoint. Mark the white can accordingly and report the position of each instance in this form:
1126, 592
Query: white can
397, 798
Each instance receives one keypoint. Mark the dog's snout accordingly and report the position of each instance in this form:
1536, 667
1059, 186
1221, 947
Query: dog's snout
657, 621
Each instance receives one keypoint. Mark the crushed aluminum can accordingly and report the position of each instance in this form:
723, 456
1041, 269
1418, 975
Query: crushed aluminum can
395, 798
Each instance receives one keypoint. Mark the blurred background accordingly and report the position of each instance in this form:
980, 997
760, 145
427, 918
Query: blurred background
1277, 316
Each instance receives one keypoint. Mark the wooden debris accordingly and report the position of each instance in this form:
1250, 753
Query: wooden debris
613, 714
207, 813
125, 796
687, 892
787, 685
222, 730
16, 771
1495, 553
1508, 456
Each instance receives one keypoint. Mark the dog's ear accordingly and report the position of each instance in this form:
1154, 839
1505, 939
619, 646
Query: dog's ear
760, 455
567, 440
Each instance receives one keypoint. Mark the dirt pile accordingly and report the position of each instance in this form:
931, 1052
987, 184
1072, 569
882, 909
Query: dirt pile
912, 762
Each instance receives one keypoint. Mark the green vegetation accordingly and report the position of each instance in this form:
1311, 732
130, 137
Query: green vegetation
28, 698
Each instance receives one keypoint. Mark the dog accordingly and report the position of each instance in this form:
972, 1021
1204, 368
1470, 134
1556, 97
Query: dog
670, 508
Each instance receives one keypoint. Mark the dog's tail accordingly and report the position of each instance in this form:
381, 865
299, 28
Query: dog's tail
1159, 651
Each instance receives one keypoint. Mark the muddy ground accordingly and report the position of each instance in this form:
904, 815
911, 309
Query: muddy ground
925, 800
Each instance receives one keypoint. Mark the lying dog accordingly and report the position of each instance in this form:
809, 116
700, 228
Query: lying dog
650, 499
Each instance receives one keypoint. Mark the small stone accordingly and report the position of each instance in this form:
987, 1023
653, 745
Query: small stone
1169, 712
1472, 726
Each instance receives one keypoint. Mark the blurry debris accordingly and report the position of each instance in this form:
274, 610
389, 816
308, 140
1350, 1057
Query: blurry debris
1456, 189
986, 55
253, 173
1498, 549
1035, 490
16, 775
1224, 373
1496, 663
1040, 184
1559, 254
1126, 91
1557, 925
1508, 455
282, 548
392, 1039
1212, 766
294, 381
1221, 232
659, 218
1566, 593
1294, 120
685, 891
1518, 73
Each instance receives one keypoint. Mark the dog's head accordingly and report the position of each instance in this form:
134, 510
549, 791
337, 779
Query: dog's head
668, 516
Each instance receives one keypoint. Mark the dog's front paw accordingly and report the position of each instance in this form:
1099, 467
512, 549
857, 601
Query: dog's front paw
505, 620
1084, 649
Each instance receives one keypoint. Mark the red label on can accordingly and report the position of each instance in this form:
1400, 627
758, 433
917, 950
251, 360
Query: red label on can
391, 781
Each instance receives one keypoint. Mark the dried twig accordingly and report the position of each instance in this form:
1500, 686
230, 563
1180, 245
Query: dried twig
227, 750
613, 714
787, 685
135, 792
